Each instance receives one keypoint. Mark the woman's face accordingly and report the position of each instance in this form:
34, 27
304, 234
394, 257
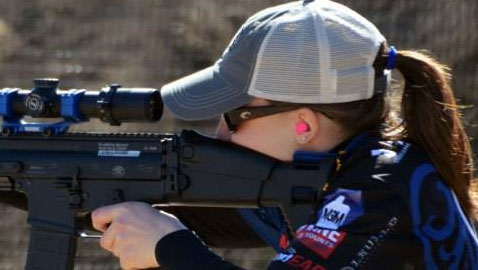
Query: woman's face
275, 135
271, 135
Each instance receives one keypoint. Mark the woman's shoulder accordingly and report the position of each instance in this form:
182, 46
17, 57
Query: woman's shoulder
403, 170
399, 176
399, 167
388, 162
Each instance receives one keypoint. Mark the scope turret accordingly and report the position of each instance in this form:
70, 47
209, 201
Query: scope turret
40, 100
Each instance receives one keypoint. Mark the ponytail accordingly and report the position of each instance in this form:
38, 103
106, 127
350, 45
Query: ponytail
431, 119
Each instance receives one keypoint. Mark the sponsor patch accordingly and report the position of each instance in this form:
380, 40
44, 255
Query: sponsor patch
340, 208
321, 241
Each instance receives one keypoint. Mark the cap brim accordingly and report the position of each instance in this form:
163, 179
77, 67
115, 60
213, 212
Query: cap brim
202, 95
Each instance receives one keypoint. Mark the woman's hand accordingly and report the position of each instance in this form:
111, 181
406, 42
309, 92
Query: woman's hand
131, 231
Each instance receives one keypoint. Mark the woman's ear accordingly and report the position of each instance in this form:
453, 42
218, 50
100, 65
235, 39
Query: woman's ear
306, 125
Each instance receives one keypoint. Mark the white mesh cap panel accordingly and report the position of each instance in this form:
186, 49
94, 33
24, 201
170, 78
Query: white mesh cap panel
286, 67
355, 43
320, 53
353, 76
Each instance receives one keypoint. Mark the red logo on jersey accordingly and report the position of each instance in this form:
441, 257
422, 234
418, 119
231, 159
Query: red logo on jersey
321, 241
304, 263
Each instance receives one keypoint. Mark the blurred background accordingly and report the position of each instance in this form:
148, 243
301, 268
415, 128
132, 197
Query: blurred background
89, 43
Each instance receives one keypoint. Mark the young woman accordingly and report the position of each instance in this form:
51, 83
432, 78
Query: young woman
308, 79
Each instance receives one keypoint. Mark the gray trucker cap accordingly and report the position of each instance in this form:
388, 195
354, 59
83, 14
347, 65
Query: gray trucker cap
301, 52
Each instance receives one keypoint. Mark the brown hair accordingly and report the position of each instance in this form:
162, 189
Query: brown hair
430, 118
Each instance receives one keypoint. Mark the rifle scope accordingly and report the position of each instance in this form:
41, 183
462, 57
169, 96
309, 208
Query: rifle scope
111, 104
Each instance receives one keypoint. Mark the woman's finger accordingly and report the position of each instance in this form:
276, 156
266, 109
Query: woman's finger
108, 240
104, 216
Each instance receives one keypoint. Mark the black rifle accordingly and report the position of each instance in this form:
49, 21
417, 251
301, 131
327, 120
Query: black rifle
67, 175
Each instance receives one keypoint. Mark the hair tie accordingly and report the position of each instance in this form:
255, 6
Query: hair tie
392, 55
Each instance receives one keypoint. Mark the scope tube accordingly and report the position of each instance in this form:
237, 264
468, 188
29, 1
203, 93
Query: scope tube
126, 105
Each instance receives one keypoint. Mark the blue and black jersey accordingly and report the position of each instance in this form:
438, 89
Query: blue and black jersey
385, 207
